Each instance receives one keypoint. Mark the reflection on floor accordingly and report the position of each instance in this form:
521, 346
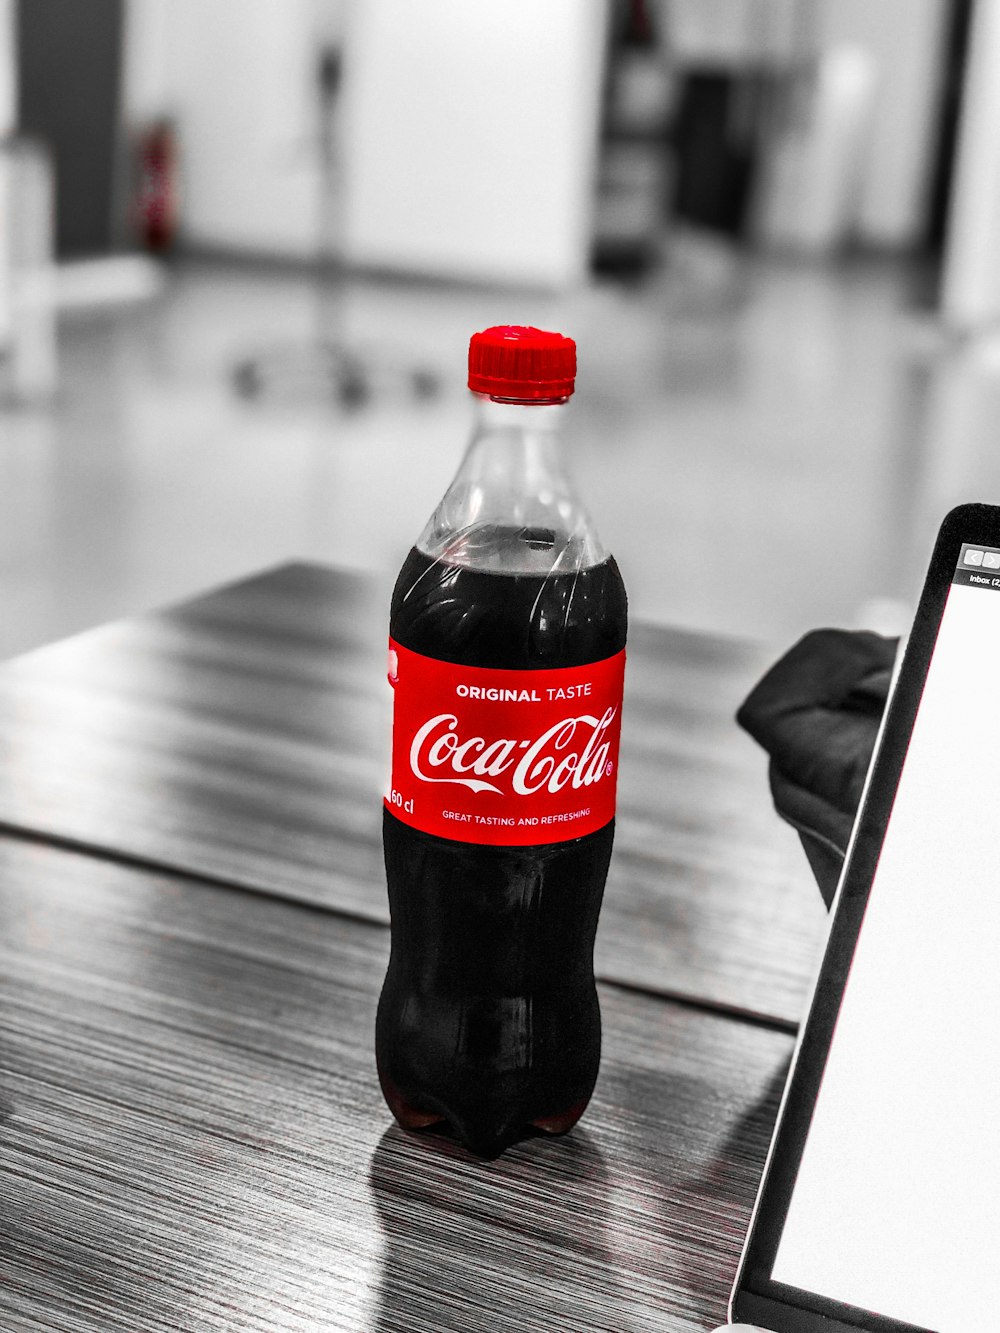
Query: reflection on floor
766, 447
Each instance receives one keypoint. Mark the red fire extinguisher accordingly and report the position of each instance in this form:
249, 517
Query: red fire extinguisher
157, 188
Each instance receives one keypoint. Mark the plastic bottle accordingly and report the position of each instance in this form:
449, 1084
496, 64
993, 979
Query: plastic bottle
506, 655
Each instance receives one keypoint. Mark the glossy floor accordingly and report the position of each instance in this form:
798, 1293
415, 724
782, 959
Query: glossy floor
766, 447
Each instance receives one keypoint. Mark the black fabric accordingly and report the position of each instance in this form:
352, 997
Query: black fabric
817, 713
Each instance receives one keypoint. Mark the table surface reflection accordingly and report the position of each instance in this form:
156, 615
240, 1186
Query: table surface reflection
195, 931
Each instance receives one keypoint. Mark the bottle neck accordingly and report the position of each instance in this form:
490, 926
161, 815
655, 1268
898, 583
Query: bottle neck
496, 414
516, 451
511, 507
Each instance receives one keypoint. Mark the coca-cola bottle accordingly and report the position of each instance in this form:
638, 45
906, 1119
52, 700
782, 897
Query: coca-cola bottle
506, 656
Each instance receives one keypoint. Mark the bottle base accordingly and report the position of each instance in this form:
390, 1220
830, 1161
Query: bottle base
407, 1116
561, 1123
415, 1120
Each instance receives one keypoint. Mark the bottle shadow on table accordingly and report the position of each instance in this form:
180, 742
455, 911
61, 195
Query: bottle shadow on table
731, 1175
515, 1245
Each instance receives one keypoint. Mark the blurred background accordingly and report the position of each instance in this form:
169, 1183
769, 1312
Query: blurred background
243, 245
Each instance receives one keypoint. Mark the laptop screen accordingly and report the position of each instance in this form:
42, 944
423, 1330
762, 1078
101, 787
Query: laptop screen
895, 1207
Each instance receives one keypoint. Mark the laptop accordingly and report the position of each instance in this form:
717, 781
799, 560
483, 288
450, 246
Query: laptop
879, 1207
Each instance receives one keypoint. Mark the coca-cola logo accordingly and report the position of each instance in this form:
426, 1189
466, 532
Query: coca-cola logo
516, 757
572, 752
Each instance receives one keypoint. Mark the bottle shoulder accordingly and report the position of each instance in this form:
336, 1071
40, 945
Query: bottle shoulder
510, 620
512, 506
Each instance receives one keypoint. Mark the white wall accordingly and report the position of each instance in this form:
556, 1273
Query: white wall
468, 132
239, 77
470, 137
144, 60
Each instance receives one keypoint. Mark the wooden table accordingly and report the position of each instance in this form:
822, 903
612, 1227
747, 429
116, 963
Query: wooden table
194, 930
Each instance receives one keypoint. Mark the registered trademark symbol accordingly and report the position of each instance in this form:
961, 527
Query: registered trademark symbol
609, 770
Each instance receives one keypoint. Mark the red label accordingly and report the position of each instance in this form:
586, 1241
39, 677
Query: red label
511, 758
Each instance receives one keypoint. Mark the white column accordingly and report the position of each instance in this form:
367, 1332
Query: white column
8, 123
971, 287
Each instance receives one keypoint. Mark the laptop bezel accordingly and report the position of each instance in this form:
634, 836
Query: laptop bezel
756, 1297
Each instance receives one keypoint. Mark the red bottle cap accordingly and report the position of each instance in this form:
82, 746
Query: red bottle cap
522, 365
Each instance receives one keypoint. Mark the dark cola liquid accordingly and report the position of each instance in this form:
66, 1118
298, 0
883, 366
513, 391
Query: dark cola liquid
489, 1016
